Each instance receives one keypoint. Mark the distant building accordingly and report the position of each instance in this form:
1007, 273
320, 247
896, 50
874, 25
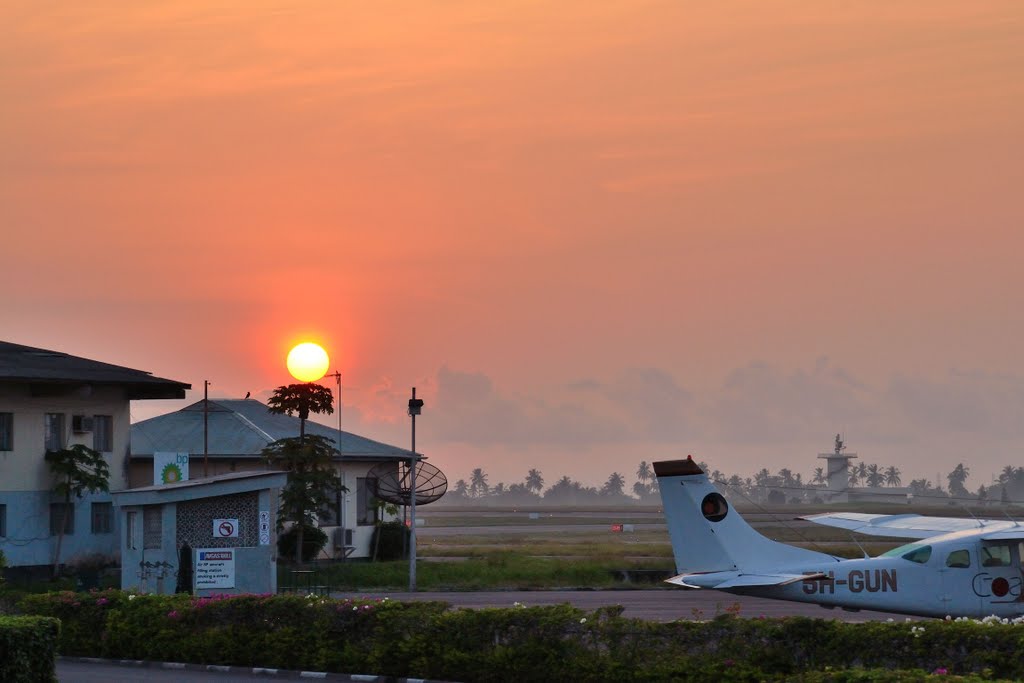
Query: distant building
48, 401
237, 432
837, 482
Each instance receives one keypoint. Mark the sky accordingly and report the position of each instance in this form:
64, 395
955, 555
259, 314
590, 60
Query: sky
589, 233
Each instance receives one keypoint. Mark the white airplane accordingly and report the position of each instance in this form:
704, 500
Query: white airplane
954, 567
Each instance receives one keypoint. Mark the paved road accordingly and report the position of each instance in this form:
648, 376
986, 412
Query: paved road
89, 672
654, 605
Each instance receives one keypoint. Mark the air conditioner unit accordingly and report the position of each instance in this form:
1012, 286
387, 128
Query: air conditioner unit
81, 424
342, 537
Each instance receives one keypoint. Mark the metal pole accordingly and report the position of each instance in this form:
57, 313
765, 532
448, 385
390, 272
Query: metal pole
412, 504
206, 428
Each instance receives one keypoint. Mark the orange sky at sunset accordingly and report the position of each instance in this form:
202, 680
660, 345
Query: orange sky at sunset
589, 233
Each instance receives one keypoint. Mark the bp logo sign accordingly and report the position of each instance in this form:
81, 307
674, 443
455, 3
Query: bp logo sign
169, 468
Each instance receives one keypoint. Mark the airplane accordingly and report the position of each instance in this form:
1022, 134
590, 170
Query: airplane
952, 567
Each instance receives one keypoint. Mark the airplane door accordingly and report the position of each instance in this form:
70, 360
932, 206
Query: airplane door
958, 570
998, 582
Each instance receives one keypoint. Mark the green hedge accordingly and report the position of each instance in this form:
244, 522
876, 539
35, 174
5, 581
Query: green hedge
28, 649
530, 644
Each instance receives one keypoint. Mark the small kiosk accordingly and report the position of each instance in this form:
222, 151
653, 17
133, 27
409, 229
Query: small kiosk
204, 536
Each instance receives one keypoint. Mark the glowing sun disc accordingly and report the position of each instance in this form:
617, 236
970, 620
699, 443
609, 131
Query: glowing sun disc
308, 362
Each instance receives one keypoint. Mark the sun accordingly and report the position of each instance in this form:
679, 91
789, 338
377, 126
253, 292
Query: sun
308, 362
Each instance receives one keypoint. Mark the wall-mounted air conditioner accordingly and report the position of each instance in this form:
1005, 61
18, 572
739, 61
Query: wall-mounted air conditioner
81, 424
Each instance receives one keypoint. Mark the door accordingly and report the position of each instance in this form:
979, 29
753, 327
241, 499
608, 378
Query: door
998, 582
958, 570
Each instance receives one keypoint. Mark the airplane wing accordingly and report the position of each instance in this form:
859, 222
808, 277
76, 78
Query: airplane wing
734, 579
899, 526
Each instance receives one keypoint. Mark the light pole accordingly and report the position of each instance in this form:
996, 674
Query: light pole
415, 408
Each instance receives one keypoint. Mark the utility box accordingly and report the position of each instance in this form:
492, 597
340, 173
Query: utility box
203, 536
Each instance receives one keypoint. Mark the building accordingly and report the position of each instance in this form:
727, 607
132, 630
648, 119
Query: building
235, 434
838, 489
49, 401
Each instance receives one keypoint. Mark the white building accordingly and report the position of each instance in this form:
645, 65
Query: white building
49, 401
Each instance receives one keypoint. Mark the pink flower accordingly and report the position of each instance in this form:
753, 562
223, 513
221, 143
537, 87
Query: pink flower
173, 614
102, 601
941, 671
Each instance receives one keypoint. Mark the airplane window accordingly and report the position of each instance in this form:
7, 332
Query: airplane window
960, 559
904, 551
995, 556
714, 508
920, 555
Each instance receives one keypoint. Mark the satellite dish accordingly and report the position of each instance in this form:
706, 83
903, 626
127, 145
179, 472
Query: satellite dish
391, 482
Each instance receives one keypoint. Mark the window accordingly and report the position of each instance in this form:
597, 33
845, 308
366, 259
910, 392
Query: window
995, 556
62, 512
911, 551
53, 431
959, 559
330, 515
102, 517
152, 527
130, 528
3, 520
103, 433
366, 504
6, 431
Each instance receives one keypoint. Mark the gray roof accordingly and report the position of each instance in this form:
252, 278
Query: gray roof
220, 485
240, 428
27, 364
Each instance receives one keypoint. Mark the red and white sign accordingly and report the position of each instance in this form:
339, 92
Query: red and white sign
225, 528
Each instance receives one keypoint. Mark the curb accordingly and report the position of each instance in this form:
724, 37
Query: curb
255, 670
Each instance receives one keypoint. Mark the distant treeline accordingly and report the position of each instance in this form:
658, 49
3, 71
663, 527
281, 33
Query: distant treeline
785, 486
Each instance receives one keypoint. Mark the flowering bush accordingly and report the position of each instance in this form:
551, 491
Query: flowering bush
520, 642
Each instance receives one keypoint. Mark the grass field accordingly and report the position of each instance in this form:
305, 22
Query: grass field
501, 557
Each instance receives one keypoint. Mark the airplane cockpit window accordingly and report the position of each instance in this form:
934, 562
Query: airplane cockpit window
995, 555
912, 551
920, 555
959, 559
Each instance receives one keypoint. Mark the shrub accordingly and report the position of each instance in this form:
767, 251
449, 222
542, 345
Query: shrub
28, 649
538, 643
313, 541
390, 539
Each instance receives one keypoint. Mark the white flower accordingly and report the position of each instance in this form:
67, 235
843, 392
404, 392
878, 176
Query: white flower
132, 596
583, 620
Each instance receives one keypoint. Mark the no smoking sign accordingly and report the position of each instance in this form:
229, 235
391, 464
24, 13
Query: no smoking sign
225, 528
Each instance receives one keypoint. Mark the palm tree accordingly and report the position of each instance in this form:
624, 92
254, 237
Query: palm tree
614, 485
461, 489
643, 472
478, 483
862, 470
534, 481
957, 478
640, 490
892, 475
819, 476
875, 476
303, 399
786, 475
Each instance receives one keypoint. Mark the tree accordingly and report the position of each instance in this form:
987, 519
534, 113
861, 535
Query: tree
819, 476
892, 475
874, 475
312, 480
75, 470
478, 483
956, 480
643, 472
614, 486
461, 490
862, 470
640, 490
534, 481
301, 399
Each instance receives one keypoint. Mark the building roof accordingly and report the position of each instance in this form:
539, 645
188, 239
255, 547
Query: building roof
222, 484
241, 428
29, 365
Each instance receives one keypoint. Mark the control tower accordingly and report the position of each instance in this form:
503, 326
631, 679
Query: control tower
838, 470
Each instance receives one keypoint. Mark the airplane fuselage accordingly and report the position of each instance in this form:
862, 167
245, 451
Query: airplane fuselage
952, 581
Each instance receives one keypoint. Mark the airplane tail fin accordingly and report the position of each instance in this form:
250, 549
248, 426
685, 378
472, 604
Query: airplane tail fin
709, 536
